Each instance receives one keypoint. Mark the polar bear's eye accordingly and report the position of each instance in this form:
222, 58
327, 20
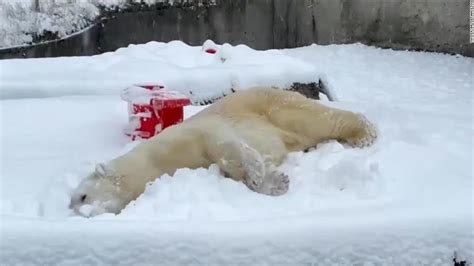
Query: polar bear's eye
83, 197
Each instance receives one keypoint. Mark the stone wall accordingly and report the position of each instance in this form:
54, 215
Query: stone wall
435, 25
432, 25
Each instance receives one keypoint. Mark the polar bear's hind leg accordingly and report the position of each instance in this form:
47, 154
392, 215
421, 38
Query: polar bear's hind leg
353, 128
317, 123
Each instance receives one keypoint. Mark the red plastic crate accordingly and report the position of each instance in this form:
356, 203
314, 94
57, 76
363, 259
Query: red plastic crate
151, 109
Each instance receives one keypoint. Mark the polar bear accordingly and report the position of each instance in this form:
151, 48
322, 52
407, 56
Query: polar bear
247, 134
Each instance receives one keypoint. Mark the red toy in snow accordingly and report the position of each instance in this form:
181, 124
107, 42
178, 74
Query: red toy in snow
211, 51
152, 108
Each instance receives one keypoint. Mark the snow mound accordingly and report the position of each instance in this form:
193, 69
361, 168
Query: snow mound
206, 195
176, 65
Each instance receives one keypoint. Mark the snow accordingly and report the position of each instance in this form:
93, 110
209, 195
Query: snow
20, 20
407, 200
178, 66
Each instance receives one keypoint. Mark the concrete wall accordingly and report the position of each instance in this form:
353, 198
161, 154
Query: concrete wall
438, 25
82, 43
433, 25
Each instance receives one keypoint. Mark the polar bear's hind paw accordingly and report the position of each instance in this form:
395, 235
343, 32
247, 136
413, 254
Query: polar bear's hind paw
365, 136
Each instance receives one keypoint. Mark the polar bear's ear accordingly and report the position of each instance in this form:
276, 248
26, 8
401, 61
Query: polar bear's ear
102, 170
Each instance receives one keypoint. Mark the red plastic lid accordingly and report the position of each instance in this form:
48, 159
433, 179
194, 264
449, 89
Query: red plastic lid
211, 51
151, 86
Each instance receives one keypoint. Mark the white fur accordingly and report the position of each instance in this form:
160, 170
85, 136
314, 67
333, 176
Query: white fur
248, 134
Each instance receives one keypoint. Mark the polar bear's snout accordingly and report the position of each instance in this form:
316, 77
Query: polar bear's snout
78, 205
96, 195
77, 200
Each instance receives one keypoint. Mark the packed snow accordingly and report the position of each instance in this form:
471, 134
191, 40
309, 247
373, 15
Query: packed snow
407, 200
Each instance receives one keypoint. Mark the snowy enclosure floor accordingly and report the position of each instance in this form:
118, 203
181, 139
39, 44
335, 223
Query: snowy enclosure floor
407, 200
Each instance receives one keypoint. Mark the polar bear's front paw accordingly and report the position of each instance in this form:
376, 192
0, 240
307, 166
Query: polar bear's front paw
275, 183
365, 135
279, 184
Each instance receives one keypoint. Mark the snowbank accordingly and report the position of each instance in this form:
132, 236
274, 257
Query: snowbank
176, 65
405, 201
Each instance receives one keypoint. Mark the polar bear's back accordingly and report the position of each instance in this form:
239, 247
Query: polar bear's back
248, 115
254, 101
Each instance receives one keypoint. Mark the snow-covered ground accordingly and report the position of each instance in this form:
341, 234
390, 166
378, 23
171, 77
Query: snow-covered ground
408, 200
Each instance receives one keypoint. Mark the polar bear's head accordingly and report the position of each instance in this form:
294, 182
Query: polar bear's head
98, 193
